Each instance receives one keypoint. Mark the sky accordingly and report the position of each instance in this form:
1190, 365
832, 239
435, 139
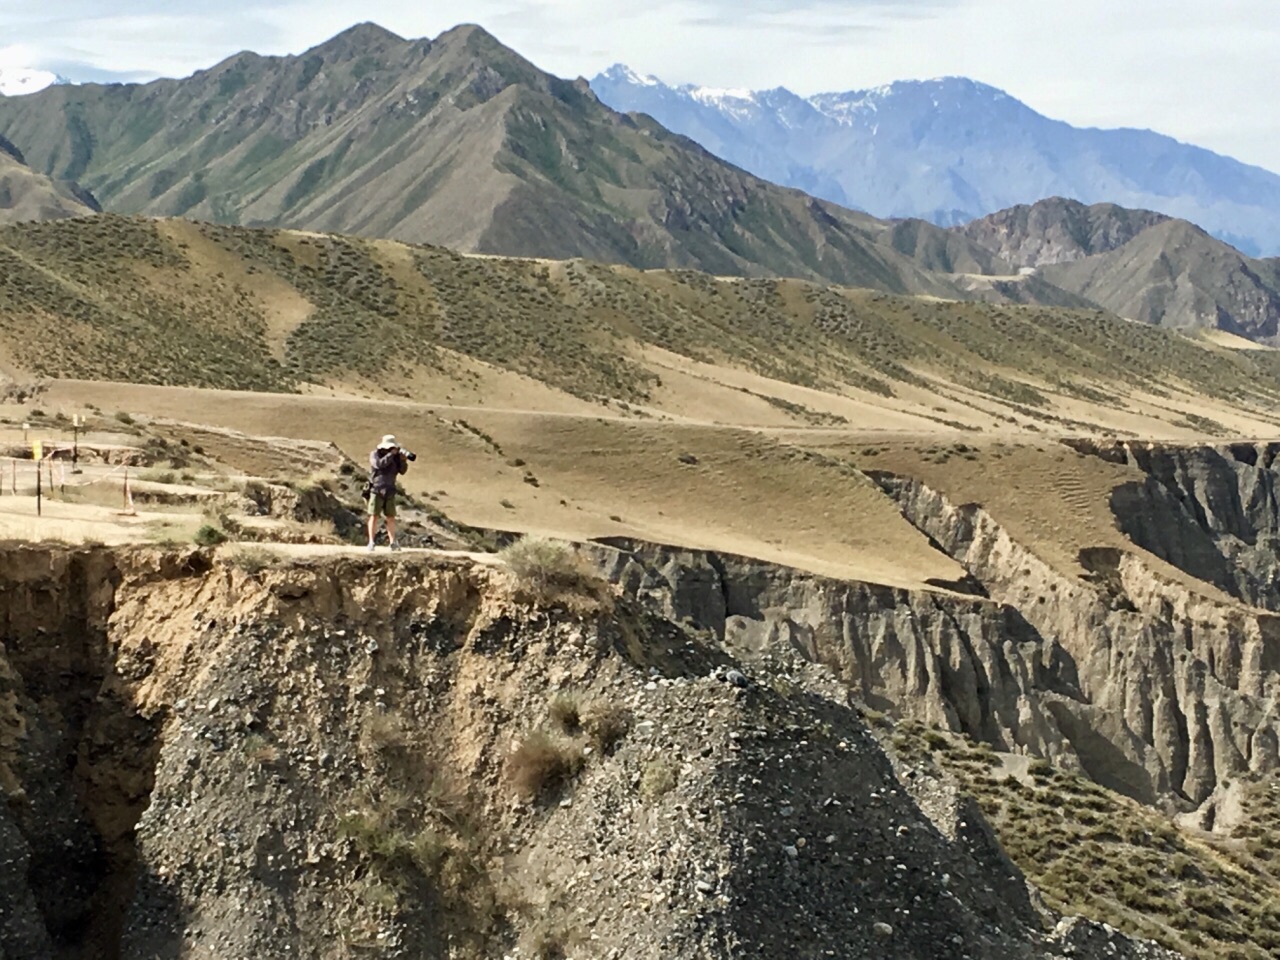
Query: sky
1203, 72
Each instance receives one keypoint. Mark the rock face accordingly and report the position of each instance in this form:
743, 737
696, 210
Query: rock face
1211, 511
1057, 231
320, 760
1147, 685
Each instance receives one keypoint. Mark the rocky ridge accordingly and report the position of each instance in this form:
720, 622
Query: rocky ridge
316, 759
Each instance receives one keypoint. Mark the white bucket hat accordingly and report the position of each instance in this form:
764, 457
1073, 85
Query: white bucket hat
388, 441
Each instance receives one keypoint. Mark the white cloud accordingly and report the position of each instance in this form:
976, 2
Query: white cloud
1201, 72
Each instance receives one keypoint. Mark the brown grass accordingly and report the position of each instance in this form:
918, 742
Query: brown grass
542, 764
606, 724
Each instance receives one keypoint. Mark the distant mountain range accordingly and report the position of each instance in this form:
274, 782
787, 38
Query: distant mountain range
461, 142
952, 150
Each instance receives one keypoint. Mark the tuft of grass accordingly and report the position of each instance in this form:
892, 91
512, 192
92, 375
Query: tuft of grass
260, 750
252, 559
605, 724
384, 731
566, 713
658, 777
542, 765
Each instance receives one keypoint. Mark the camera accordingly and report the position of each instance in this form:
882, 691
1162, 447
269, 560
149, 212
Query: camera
409, 455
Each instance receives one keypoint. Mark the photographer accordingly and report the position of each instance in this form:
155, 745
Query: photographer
387, 462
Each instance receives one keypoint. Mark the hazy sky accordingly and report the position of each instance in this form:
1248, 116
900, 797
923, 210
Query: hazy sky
1204, 71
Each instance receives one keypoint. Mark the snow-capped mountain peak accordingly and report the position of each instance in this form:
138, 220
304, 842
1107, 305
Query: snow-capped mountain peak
718, 95
951, 149
940, 93
621, 73
16, 81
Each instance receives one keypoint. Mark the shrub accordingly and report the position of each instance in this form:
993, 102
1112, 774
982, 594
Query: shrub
547, 568
124, 417
253, 559
210, 536
606, 724
542, 764
658, 778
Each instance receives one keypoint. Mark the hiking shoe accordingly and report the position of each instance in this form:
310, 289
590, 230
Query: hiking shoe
369, 548
394, 545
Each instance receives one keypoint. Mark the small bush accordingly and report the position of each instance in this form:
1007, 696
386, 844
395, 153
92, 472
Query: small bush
547, 568
124, 417
658, 778
210, 536
541, 765
606, 724
253, 559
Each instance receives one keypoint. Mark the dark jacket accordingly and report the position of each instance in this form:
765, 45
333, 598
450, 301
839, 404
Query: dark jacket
384, 466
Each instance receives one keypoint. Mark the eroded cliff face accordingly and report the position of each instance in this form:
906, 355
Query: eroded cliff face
317, 759
1211, 511
1150, 686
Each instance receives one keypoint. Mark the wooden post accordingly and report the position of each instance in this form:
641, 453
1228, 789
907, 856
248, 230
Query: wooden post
39, 491
125, 489
13, 475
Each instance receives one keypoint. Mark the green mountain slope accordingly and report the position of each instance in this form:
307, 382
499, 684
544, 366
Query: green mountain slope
461, 142
27, 195
457, 141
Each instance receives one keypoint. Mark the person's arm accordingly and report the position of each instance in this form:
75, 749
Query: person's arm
380, 461
402, 463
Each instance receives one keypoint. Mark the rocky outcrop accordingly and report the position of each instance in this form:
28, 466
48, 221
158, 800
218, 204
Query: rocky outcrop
970, 665
1212, 511
317, 759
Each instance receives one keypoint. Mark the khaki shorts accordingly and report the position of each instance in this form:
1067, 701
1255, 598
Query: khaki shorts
382, 504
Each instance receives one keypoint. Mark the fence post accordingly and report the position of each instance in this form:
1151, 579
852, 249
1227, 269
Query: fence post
39, 491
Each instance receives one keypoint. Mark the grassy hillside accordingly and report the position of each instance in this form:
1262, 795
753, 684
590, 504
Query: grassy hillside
461, 142
173, 302
1092, 852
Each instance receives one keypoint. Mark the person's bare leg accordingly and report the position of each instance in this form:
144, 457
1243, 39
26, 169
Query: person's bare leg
391, 529
372, 527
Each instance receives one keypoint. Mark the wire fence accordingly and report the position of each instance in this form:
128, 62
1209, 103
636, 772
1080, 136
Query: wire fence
49, 475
